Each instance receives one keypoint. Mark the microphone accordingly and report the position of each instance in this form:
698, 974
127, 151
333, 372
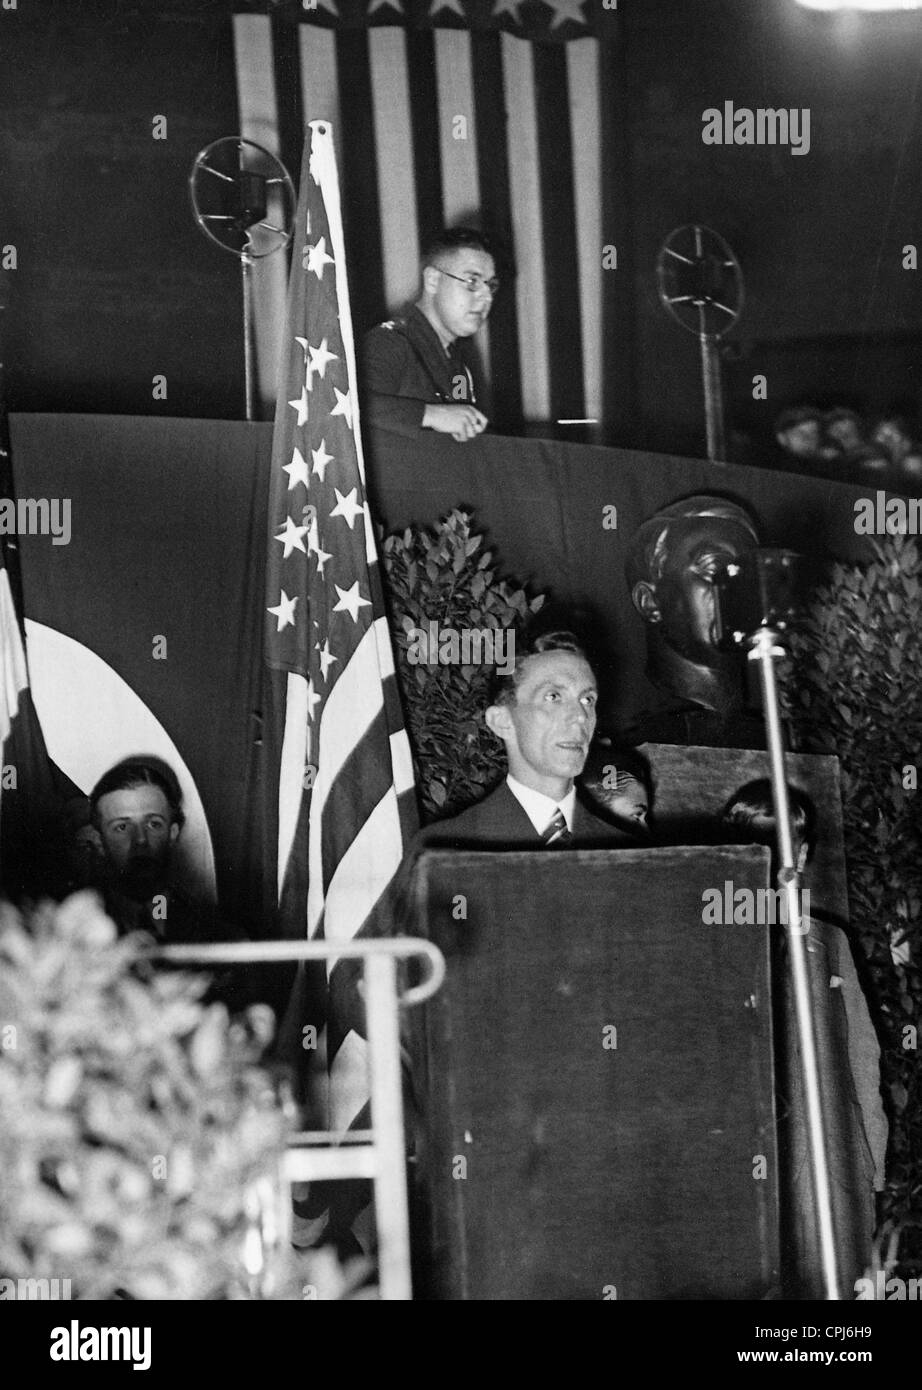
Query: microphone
764, 589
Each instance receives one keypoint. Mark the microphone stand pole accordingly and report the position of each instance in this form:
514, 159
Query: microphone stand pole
765, 648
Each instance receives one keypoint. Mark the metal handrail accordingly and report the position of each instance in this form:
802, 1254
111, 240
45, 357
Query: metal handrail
256, 952
378, 1153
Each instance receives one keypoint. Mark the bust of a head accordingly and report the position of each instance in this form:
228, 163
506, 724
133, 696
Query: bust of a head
673, 561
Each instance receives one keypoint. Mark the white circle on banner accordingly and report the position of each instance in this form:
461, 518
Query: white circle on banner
91, 719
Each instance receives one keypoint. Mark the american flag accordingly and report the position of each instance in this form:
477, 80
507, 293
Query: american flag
346, 801
508, 116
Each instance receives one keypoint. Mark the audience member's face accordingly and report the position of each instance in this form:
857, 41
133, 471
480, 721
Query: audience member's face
845, 434
911, 468
764, 833
137, 833
630, 802
698, 552
803, 440
547, 729
85, 855
456, 310
891, 437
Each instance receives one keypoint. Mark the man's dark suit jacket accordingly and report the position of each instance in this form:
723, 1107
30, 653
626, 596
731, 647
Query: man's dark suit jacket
500, 821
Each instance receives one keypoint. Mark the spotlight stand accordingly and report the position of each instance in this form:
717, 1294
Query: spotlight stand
765, 648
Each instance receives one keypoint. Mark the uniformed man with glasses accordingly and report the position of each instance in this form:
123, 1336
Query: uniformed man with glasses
416, 374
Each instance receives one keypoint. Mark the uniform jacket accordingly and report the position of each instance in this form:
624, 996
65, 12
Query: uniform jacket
405, 368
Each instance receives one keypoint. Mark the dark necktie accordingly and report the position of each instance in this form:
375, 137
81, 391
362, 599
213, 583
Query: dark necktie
556, 834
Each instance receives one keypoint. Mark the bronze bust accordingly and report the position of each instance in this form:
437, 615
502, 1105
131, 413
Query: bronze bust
673, 560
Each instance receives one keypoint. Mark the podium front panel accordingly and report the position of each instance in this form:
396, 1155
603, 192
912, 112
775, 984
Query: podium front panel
595, 1076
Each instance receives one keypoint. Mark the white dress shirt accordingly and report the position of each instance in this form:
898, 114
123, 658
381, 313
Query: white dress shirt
540, 808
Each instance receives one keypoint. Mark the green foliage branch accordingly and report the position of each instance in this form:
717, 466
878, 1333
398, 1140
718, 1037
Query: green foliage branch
443, 574
855, 689
140, 1139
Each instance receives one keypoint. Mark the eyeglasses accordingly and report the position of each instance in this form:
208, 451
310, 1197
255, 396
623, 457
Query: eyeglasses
473, 282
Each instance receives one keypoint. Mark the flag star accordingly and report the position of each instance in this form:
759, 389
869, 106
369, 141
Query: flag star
300, 406
327, 5
446, 5
321, 458
347, 507
566, 10
350, 601
291, 537
305, 347
326, 658
285, 612
343, 405
319, 359
317, 257
296, 470
379, 5
314, 547
507, 7
312, 699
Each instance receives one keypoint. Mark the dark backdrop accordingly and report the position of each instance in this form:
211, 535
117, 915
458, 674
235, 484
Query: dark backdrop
115, 284
169, 535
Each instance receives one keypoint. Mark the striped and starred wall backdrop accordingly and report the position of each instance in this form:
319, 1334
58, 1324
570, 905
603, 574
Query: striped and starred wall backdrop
457, 125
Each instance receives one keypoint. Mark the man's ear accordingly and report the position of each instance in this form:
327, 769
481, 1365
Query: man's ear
497, 720
643, 597
802, 856
174, 832
430, 279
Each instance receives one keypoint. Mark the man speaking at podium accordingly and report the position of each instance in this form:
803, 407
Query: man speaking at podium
544, 711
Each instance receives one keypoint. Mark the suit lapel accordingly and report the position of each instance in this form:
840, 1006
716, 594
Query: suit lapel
512, 817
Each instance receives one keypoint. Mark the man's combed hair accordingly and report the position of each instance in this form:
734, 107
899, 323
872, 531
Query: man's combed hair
138, 772
456, 239
504, 687
628, 766
754, 801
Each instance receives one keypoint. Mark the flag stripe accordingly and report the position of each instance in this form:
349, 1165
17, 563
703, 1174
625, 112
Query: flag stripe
359, 783
359, 176
530, 298
319, 80
585, 117
557, 212
505, 396
457, 126
458, 144
424, 116
291, 773
394, 150
351, 707
364, 871
542, 122
287, 76
259, 122
619, 313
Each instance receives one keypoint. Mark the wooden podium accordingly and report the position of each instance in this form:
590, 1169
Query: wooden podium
595, 1078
